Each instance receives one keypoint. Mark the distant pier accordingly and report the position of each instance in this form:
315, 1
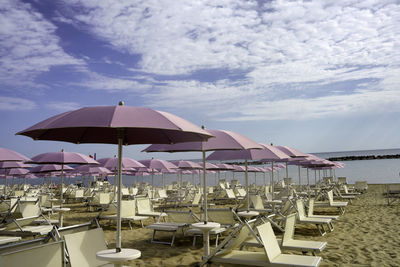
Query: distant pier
367, 157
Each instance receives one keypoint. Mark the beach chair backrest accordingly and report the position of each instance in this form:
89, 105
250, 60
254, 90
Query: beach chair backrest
311, 207
82, 247
29, 209
162, 193
288, 181
128, 208
289, 228
45, 255
125, 191
345, 189
230, 194
237, 241
342, 180
330, 196
143, 205
257, 202
196, 199
79, 193
222, 185
300, 208
104, 198
222, 216
271, 246
134, 191
241, 192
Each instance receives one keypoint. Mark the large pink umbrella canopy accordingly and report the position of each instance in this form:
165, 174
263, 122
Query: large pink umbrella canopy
62, 157
104, 124
122, 125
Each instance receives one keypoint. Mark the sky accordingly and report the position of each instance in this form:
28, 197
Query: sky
318, 76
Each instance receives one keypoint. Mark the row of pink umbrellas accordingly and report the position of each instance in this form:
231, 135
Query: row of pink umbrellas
125, 125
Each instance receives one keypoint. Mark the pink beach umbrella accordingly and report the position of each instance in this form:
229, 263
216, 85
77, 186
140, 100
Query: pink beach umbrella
122, 125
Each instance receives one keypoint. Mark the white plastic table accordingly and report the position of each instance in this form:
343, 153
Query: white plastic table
248, 214
117, 258
206, 228
61, 215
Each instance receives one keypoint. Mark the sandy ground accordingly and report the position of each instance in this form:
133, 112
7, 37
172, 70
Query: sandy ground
366, 235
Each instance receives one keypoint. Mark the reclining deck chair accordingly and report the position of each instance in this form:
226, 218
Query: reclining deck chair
128, 213
82, 248
332, 203
311, 214
319, 222
288, 242
177, 221
271, 256
145, 208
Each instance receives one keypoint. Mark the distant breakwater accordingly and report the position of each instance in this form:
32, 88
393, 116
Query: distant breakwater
368, 157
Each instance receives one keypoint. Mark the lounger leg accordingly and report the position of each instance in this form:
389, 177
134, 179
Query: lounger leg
173, 239
194, 240
130, 225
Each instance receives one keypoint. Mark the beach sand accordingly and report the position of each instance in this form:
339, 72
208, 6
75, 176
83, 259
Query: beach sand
366, 235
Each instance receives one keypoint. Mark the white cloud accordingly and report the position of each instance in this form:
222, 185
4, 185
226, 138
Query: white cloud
95, 81
63, 106
16, 104
281, 48
28, 44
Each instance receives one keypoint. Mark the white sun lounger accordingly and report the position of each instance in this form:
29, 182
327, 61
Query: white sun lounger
319, 222
128, 213
288, 242
272, 255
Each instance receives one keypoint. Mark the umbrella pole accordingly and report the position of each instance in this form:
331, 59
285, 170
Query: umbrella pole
272, 181
61, 186
118, 238
247, 186
152, 183
299, 177
287, 171
315, 177
204, 187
